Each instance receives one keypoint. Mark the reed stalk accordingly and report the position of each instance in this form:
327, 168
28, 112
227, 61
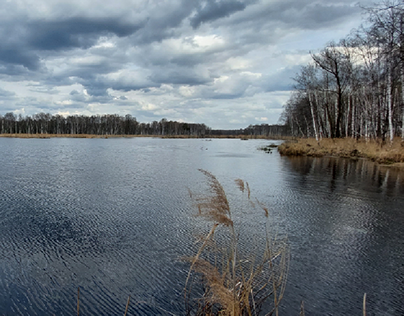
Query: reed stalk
78, 301
127, 306
364, 304
233, 284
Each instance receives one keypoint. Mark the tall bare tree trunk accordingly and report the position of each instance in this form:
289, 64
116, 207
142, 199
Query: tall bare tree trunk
402, 103
390, 103
312, 115
353, 125
347, 116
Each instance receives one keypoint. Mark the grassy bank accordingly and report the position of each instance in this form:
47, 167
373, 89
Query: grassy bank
375, 150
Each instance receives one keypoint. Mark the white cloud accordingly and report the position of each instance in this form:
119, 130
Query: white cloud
186, 91
149, 107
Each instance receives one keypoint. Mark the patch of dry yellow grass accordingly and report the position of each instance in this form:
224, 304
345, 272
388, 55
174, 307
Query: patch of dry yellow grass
376, 150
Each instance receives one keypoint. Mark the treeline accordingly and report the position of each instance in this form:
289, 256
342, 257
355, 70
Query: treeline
354, 88
263, 130
45, 123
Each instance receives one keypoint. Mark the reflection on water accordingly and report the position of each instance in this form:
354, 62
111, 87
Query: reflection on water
113, 216
363, 174
345, 224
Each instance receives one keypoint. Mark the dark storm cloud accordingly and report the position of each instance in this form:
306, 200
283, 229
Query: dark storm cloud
87, 71
165, 23
81, 100
26, 42
184, 76
75, 32
6, 94
316, 15
15, 56
95, 94
77, 96
126, 87
97, 90
272, 20
212, 10
100, 85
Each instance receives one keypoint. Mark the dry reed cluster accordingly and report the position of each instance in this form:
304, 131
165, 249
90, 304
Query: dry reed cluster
233, 284
376, 150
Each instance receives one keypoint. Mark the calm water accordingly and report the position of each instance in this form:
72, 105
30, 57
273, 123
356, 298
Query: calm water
113, 217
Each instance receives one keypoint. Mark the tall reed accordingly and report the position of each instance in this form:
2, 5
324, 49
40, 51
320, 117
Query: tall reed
233, 284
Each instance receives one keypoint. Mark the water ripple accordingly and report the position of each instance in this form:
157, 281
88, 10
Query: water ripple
114, 217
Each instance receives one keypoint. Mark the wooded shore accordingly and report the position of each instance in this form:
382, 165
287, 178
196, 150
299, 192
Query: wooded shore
382, 152
46, 135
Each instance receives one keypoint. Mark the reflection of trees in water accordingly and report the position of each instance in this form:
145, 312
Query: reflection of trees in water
344, 220
361, 173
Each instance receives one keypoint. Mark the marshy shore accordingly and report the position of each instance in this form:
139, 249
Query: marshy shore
382, 152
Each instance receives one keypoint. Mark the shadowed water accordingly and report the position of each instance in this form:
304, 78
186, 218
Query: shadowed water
114, 217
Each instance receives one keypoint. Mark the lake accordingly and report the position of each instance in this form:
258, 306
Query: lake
114, 217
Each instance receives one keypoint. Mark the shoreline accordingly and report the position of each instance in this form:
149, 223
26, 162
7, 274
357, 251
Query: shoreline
384, 153
46, 136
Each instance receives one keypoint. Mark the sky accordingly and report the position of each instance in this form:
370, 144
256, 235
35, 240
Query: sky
225, 63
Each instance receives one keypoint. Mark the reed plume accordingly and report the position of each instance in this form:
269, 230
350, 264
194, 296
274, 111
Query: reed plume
214, 207
240, 184
233, 285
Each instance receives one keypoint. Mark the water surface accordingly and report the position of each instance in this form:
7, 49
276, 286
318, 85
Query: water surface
113, 217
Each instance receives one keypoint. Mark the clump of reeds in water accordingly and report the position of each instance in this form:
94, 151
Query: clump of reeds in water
233, 284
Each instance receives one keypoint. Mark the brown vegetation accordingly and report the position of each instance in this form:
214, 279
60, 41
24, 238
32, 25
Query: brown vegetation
375, 150
233, 284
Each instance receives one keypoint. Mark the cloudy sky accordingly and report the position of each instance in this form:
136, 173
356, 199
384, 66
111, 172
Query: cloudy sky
225, 63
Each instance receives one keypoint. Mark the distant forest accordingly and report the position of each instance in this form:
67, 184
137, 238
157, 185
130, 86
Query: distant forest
45, 123
354, 88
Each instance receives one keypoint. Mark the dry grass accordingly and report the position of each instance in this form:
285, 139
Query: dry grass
376, 150
233, 284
